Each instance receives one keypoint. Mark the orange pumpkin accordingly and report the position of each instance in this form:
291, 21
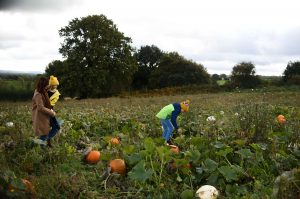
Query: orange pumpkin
27, 183
29, 186
93, 157
118, 166
114, 141
175, 149
281, 119
188, 166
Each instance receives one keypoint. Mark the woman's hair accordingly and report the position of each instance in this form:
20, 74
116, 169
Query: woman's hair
41, 87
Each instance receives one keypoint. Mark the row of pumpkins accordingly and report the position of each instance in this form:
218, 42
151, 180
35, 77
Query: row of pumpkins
116, 165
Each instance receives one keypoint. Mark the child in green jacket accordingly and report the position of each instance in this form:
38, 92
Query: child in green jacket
168, 116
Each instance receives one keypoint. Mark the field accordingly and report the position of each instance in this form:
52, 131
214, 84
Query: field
243, 152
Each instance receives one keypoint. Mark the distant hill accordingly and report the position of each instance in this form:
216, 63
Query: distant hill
270, 77
10, 72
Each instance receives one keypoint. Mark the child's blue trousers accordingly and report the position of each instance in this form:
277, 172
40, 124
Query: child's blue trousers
168, 128
54, 129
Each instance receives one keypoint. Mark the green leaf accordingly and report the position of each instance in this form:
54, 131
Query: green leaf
238, 169
163, 152
245, 153
209, 165
105, 156
224, 152
187, 194
229, 173
133, 159
219, 145
139, 173
149, 145
258, 147
18, 184
194, 155
128, 149
179, 179
213, 178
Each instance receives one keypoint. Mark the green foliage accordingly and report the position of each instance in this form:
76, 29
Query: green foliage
243, 76
291, 74
175, 70
55, 68
139, 173
17, 88
99, 58
148, 59
215, 153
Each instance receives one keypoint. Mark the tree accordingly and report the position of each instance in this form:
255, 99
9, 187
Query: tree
291, 73
223, 77
243, 75
148, 58
215, 78
55, 68
175, 70
99, 59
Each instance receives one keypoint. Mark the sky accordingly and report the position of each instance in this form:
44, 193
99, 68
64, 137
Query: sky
215, 33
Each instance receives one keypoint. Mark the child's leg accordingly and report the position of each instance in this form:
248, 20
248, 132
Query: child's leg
54, 122
170, 129
165, 127
43, 137
55, 127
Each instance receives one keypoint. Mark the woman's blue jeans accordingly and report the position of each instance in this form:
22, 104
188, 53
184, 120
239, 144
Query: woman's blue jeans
168, 128
54, 129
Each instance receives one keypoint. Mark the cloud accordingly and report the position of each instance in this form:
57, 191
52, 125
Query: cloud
217, 34
36, 5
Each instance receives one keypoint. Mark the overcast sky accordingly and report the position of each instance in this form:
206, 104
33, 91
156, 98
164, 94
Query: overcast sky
216, 33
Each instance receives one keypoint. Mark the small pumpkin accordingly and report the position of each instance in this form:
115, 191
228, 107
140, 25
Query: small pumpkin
174, 149
118, 166
93, 157
188, 166
114, 141
29, 186
281, 119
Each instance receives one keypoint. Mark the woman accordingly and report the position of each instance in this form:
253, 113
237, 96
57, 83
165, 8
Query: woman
41, 113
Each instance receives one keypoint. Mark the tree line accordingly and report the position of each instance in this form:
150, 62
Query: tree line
99, 61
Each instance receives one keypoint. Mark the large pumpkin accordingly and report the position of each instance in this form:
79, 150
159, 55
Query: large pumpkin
118, 166
93, 157
281, 119
114, 141
207, 192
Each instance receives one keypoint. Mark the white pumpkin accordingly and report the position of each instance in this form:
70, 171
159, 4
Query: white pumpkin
211, 119
9, 124
207, 192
